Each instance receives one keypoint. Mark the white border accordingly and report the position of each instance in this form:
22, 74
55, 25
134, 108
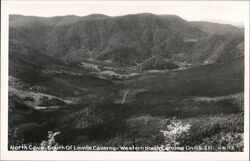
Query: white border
58, 155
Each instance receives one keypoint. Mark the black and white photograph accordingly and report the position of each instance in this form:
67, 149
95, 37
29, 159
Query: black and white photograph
165, 76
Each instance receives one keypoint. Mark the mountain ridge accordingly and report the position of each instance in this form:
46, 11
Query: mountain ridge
124, 40
145, 13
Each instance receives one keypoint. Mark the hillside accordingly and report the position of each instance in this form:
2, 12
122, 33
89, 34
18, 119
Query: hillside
215, 28
126, 81
124, 40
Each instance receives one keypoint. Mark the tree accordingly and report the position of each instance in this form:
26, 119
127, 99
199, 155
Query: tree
14, 137
174, 131
51, 144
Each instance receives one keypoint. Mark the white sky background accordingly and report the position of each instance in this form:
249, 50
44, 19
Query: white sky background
216, 11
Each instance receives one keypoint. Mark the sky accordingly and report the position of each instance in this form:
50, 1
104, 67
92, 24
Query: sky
231, 12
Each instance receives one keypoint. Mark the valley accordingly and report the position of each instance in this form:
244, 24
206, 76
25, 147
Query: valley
126, 81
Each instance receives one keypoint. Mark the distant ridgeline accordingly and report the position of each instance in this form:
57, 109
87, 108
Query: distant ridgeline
122, 41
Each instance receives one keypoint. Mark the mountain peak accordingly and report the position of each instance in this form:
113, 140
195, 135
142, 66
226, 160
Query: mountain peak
96, 16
